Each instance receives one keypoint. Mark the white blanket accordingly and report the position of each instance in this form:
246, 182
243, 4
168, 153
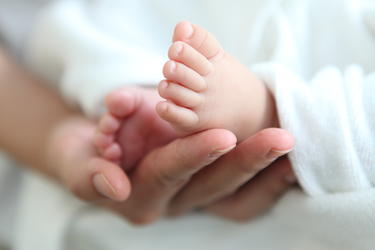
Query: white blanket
316, 56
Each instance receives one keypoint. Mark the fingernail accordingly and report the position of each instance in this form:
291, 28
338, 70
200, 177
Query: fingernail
219, 152
273, 154
290, 178
189, 30
103, 186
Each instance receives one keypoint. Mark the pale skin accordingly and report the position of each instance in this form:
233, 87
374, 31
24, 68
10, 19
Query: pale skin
131, 128
39, 130
205, 88
57, 142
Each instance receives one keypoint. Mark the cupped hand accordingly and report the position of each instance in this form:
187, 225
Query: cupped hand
187, 174
77, 165
245, 182
178, 177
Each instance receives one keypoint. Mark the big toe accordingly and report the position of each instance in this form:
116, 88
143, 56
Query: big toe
197, 37
121, 102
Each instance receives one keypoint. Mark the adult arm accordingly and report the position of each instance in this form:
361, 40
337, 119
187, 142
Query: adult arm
38, 129
29, 112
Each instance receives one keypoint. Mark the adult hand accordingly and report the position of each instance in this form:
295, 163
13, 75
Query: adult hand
258, 195
166, 170
243, 183
178, 177
74, 161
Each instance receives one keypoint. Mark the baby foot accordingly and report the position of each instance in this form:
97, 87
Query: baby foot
131, 127
207, 88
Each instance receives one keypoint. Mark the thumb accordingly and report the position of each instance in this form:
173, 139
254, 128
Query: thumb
99, 179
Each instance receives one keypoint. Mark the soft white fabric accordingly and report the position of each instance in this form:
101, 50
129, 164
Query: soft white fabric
17, 17
45, 213
316, 56
10, 187
334, 118
86, 61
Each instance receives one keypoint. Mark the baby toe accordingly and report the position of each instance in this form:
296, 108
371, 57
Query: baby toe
102, 140
178, 72
198, 38
181, 118
184, 53
179, 94
109, 124
120, 103
113, 152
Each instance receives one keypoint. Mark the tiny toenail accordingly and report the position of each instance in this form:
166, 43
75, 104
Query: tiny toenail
172, 66
164, 84
178, 49
189, 30
163, 106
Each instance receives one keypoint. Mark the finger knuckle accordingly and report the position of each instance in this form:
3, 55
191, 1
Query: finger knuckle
248, 169
179, 151
250, 164
167, 180
160, 177
172, 174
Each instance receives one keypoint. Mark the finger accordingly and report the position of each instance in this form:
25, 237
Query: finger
165, 170
79, 167
109, 180
257, 196
98, 179
233, 170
